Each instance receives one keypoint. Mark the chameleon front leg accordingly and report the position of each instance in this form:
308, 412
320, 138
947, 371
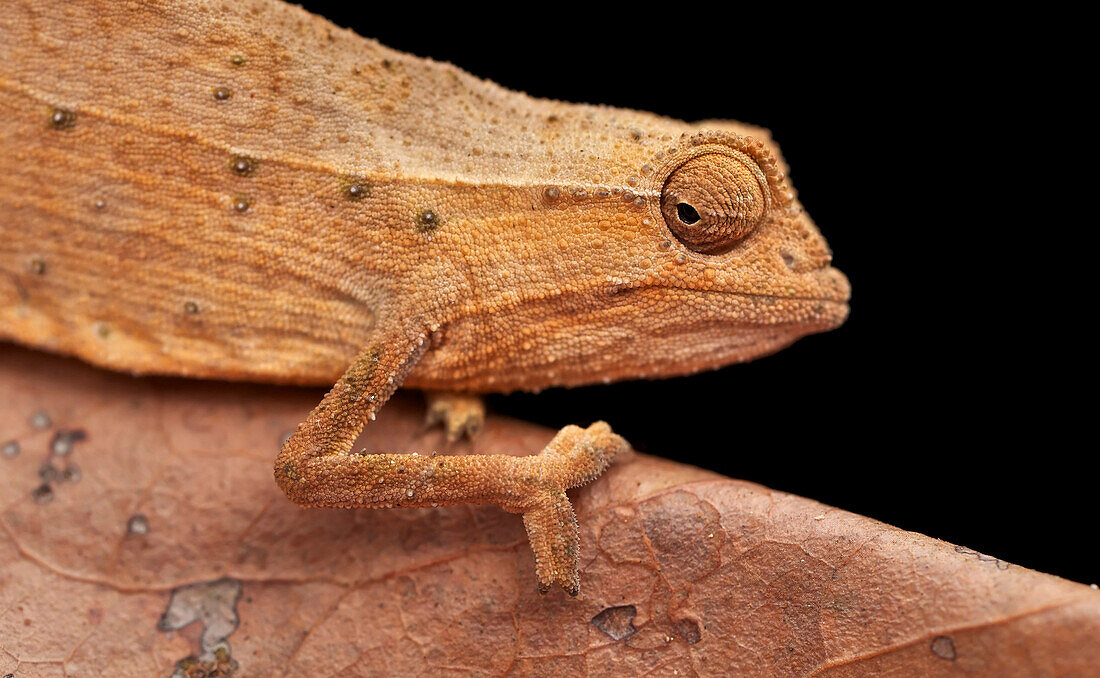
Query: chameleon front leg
461, 414
316, 467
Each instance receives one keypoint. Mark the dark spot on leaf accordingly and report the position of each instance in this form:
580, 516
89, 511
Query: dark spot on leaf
40, 420
617, 622
688, 630
237, 60
47, 472
677, 525
43, 494
222, 93
190, 307
63, 441
217, 665
71, 474
138, 524
944, 648
37, 266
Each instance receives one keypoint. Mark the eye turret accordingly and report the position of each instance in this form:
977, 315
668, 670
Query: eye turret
714, 200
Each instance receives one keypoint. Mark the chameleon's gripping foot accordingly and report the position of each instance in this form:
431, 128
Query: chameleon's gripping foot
533, 486
574, 457
316, 467
461, 414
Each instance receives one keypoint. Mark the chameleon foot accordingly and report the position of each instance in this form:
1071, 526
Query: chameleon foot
573, 458
461, 414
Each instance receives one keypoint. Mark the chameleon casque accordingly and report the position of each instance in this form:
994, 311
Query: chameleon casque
245, 191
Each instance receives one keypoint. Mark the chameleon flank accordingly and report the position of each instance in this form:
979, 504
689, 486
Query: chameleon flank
280, 200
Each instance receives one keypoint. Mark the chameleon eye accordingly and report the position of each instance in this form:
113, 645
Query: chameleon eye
714, 200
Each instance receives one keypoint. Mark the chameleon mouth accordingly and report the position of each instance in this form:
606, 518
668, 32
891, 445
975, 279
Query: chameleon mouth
740, 311
822, 307
826, 284
815, 313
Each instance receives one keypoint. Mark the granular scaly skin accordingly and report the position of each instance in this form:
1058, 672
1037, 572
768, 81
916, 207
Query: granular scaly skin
245, 191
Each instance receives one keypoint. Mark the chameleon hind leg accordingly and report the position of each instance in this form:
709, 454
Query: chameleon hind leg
461, 414
317, 468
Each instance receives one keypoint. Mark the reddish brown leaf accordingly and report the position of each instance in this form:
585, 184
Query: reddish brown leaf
160, 536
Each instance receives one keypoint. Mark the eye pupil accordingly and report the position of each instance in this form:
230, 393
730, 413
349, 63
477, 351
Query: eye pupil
687, 213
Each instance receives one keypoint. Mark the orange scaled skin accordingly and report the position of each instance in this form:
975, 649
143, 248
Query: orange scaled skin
245, 191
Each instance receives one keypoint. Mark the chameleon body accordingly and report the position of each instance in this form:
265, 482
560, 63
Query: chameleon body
245, 191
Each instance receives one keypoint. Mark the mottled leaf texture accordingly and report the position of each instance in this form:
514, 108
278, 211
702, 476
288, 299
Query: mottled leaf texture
143, 535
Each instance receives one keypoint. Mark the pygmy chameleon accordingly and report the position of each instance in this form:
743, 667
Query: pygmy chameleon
245, 191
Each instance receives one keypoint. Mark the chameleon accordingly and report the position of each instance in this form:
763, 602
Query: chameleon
244, 191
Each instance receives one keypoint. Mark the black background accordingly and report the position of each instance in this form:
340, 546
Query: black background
935, 407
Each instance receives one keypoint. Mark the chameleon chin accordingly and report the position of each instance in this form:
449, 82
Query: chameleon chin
394, 220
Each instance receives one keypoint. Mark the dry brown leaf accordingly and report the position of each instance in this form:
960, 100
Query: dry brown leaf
160, 535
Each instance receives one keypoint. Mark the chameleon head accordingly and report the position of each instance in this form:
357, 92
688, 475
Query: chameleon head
707, 260
745, 270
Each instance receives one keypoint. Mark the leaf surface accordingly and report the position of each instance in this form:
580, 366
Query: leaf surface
159, 535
